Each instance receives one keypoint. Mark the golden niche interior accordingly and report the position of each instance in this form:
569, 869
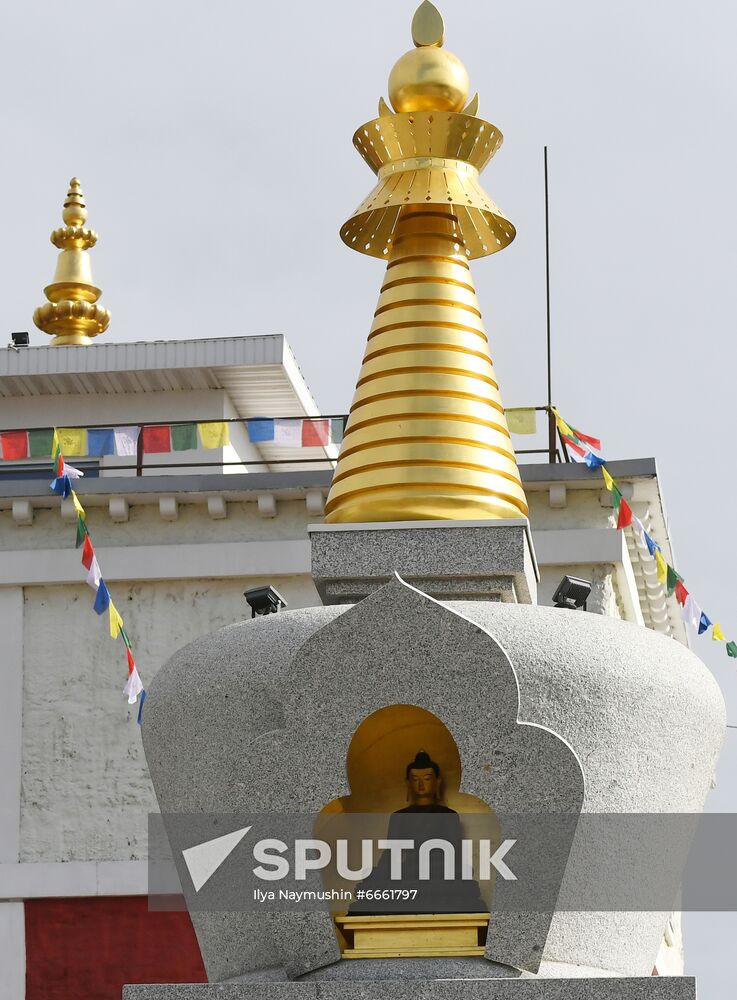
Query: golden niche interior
404, 772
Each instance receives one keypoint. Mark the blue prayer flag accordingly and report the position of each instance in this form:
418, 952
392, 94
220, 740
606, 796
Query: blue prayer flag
140, 706
704, 623
102, 601
593, 461
101, 441
62, 485
260, 429
651, 546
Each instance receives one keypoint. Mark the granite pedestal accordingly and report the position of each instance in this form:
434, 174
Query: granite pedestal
448, 560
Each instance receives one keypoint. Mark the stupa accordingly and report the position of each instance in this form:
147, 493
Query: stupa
430, 683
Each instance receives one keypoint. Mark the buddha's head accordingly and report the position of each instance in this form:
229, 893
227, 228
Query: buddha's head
423, 780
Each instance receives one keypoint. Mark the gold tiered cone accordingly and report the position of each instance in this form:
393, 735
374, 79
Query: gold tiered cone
427, 437
72, 315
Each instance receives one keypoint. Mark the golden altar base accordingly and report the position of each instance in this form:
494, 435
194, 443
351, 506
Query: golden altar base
412, 935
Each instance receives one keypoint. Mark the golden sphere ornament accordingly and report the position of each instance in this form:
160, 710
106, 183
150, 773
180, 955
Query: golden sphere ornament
428, 78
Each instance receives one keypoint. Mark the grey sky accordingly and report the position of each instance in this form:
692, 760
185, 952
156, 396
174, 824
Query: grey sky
214, 146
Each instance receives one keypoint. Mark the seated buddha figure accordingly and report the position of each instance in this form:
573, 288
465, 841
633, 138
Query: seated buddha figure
425, 819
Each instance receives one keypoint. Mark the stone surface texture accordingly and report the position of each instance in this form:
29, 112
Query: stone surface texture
641, 713
646, 988
447, 560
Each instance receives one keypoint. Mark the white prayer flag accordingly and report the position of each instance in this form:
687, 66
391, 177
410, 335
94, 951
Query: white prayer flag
94, 575
288, 432
691, 612
126, 440
72, 472
133, 686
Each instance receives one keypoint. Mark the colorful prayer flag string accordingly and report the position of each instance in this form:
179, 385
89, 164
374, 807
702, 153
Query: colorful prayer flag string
62, 485
691, 612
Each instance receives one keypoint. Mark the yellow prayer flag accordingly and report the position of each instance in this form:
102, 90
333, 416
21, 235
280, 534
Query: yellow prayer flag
77, 505
563, 427
718, 634
662, 567
55, 445
72, 440
522, 420
215, 434
607, 479
116, 622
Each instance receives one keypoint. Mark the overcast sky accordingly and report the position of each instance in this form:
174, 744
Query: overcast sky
214, 146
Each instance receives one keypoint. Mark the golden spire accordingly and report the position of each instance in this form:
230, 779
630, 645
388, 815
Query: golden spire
427, 436
72, 314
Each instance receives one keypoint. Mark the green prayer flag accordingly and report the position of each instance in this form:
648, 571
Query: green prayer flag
616, 498
732, 649
184, 437
81, 530
337, 428
40, 443
671, 580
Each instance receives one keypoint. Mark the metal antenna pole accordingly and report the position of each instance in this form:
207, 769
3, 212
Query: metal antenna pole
551, 418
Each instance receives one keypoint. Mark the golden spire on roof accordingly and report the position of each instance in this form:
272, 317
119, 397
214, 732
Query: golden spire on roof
72, 315
427, 437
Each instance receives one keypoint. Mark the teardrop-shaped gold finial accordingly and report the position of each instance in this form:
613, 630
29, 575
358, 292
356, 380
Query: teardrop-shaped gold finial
427, 25
71, 315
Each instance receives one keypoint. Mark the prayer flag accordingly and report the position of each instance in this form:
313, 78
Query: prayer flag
101, 441
41, 443
94, 575
102, 601
594, 461
337, 430
671, 580
717, 633
140, 707
565, 429
652, 547
72, 440
77, 505
522, 420
681, 593
574, 446
662, 566
624, 517
288, 432
126, 440
732, 649
88, 552
73, 473
81, 530
691, 612
594, 442
616, 498
214, 434
156, 440
14, 445
184, 437
704, 623
315, 433
116, 621
133, 686
607, 479
260, 430
62, 485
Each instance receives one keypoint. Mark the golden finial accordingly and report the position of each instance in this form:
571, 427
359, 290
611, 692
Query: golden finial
72, 315
428, 77
427, 437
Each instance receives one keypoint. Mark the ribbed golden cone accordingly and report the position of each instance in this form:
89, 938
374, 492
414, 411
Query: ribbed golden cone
427, 437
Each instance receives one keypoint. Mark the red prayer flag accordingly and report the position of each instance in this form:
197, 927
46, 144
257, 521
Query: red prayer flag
156, 440
315, 433
131, 661
681, 593
88, 553
573, 446
14, 444
594, 442
624, 520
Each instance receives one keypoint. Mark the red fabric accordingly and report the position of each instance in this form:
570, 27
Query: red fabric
315, 433
573, 446
14, 444
91, 947
594, 442
131, 661
88, 553
681, 593
156, 440
624, 520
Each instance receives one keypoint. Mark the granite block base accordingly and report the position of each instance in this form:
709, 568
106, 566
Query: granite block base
449, 560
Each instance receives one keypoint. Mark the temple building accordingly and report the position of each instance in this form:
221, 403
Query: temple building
209, 470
